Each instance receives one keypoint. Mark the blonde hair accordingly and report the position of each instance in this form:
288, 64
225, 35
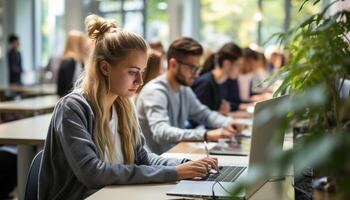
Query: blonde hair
74, 45
111, 44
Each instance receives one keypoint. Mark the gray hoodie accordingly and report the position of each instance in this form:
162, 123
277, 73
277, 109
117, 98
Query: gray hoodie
71, 167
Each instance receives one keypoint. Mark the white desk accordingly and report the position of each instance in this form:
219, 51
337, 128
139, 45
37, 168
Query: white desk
269, 191
30, 105
35, 90
26, 134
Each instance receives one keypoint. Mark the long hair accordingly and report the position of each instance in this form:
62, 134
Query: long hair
153, 68
74, 46
111, 44
230, 51
249, 57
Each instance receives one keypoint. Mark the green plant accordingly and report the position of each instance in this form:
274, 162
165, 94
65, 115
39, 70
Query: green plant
314, 76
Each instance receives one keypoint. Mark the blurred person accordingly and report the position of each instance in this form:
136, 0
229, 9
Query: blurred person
72, 63
218, 88
165, 104
206, 54
249, 65
261, 74
275, 58
157, 45
153, 69
94, 138
14, 60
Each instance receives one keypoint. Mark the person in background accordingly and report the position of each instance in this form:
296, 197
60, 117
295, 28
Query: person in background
14, 60
261, 74
71, 65
275, 58
157, 45
206, 54
165, 104
94, 139
153, 69
218, 88
250, 60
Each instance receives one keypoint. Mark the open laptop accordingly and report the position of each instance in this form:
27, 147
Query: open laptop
240, 147
232, 148
230, 176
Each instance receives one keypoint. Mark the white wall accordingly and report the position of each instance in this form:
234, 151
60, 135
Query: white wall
24, 30
7, 19
74, 16
184, 18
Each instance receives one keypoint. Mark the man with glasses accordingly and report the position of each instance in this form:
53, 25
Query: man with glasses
166, 103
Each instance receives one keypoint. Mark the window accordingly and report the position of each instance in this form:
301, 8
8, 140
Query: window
157, 21
237, 21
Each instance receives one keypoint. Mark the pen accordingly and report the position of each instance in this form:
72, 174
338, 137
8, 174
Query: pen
206, 148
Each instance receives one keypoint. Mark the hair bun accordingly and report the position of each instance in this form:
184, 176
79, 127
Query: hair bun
97, 26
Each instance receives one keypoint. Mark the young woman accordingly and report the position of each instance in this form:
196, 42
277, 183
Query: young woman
94, 137
217, 88
153, 69
72, 62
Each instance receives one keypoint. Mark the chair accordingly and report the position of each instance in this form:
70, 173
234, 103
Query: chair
31, 192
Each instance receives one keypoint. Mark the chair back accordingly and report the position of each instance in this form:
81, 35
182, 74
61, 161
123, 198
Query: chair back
31, 192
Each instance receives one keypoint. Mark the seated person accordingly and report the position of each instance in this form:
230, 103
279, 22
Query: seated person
154, 68
250, 60
94, 137
165, 104
259, 85
218, 88
72, 62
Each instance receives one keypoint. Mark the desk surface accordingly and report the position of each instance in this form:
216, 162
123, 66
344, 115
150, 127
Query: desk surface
29, 131
35, 104
271, 190
43, 89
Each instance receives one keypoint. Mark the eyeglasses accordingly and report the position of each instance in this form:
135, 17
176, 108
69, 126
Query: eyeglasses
193, 68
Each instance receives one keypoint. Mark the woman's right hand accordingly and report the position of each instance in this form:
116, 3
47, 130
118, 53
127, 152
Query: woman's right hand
198, 168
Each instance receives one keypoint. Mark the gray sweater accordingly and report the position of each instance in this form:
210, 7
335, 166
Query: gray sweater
163, 113
71, 167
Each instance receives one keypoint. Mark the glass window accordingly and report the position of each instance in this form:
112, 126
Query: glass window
134, 22
157, 21
110, 6
228, 20
237, 21
128, 14
133, 5
116, 16
52, 30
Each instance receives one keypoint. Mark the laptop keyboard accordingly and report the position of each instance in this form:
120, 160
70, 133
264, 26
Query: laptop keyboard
226, 174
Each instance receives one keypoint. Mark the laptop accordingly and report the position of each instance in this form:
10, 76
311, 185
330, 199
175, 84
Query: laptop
230, 176
240, 147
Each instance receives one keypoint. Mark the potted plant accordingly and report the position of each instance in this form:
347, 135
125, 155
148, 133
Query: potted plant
315, 78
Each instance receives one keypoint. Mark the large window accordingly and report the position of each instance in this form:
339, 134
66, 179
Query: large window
236, 20
157, 21
52, 30
129, 14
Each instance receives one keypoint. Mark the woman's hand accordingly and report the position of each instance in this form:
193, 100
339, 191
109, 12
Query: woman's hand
198, 168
